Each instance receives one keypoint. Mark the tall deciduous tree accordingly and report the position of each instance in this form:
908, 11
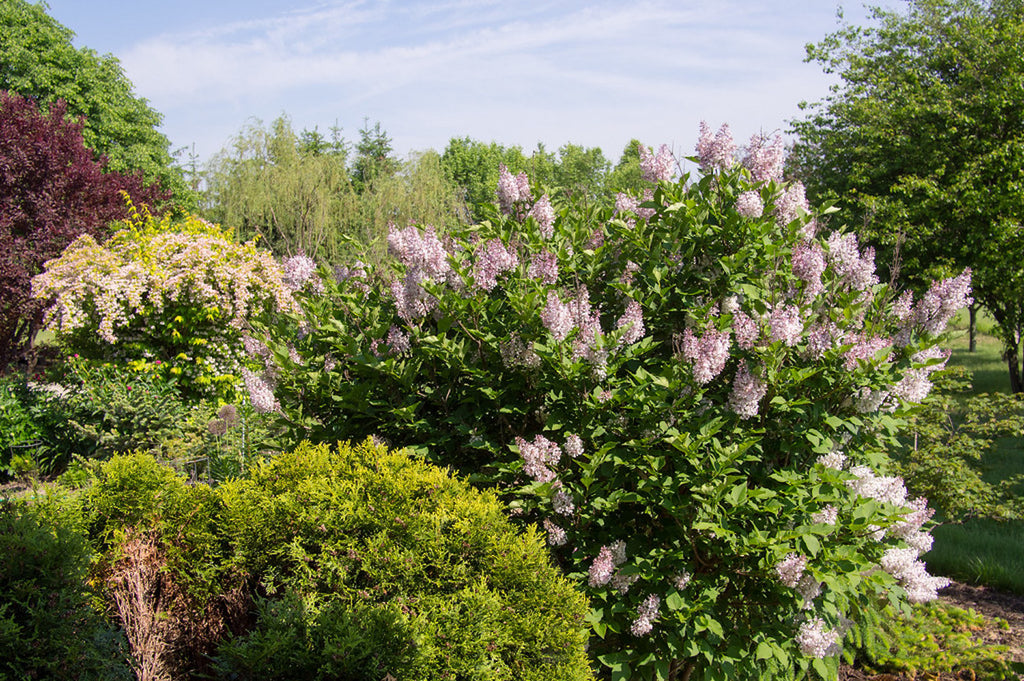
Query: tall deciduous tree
39, 61
52, 190
922, 146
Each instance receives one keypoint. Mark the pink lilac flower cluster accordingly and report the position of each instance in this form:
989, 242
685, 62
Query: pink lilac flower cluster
556, 317
884, 488
633, 323
790, 569
425, 259
261, 392
821, 338
588, 320
646, 616
513, 190
562, 502
544, 214
747, 391
816, 639
826, 516
785, 324
708, 353
421, 250
604, 566
789, 206
943, 299
834, 460
538, 456
543, 267
556, 535
655, 168
300, 270
398, 341
749, 204
863, 347
764, 158
855, 269
808, 263
493, 259
745, 329
573, 445
715, 151
625, 207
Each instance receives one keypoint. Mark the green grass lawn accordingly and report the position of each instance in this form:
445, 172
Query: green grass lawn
983, 550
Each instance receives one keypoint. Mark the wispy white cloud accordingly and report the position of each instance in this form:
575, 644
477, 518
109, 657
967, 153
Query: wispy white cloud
598, 73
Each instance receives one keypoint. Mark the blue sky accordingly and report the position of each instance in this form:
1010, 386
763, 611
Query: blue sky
522, 72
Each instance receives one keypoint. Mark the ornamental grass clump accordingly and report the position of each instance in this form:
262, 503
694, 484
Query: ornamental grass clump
173, 295
692, 391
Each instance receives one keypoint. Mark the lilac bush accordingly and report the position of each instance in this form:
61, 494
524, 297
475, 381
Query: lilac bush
692, 392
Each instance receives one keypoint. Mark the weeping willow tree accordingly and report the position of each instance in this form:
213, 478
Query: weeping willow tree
297, 193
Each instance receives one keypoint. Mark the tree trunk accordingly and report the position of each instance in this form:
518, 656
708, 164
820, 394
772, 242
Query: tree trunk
1010, 355
972, 330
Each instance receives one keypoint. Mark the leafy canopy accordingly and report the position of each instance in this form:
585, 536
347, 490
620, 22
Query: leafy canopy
920, 145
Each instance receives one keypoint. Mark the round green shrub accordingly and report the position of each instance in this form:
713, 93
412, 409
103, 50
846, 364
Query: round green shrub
48, 627
387, 565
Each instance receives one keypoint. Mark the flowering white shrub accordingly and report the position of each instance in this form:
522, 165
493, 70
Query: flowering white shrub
694, 400
177, 294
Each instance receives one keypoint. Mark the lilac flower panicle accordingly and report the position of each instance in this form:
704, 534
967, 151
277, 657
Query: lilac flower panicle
708, 353
544, 214
715, 151
398, 341
912, 574
749, 204
764, 158
816, 639
538, 456
646, 213
512, 189
808, 264
261, 392
601, 569
562, 503
943, 300
854, 268
556, 317
681, 580
655, 168
420, 250
573, 445
556, 535
792, 202
826, 516
785, 324
646, 615
809, 588
745, 329
633, 323
300, 270
621, 582
835, 460
790, 569
543, 267
863, 348
626, 206
493, 259
821, 338
747, 391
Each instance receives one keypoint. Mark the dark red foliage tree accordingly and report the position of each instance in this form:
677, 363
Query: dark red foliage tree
51, 191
